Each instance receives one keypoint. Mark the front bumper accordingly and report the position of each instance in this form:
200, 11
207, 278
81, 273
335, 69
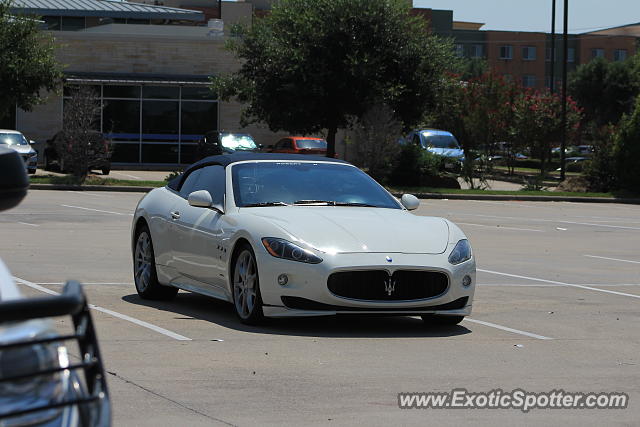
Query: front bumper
307, 294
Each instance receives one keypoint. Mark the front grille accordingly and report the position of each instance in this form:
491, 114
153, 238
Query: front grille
378, 285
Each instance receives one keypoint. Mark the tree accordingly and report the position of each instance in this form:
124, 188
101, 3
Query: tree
375, 141
27, 63
627, 150
82, 146
313, 64
606, 90
478, 112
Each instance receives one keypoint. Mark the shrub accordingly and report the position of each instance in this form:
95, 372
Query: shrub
627, 150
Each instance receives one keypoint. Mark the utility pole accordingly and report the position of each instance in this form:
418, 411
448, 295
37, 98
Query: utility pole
220, 9
552, 86
565, 48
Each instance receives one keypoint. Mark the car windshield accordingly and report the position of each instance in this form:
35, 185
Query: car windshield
439, 140
238, 142
13, 139
318, 144
306, 183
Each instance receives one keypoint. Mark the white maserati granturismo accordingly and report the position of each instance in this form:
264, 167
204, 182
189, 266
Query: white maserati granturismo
282, 235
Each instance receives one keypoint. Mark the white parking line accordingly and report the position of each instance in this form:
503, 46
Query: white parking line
110, 312
28, 223
505, 328
97, 210
125, 174
548, 220
499, 227
612, 259
558, 283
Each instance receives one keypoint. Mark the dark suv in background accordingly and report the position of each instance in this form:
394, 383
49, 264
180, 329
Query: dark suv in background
57, 152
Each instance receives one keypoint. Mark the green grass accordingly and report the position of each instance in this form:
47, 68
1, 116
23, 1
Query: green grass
93, 180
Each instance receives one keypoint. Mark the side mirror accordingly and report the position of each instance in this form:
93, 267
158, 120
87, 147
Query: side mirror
203, 199
13, 179
200, 199
410, 202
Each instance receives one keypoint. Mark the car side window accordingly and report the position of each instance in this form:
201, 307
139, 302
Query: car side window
416, 139
212, 179
289, 144
189, 183
280, 144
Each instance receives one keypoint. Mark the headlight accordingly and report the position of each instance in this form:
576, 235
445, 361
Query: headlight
461, 253
281, 248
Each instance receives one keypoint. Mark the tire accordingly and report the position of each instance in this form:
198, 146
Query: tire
105, 171
245, 283
31, 171
436, 320
144, 269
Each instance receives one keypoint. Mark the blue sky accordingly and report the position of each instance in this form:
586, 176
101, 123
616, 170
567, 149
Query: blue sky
535, 15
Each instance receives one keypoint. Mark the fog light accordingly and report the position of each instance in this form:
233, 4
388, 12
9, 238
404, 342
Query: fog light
466, 281
283, 279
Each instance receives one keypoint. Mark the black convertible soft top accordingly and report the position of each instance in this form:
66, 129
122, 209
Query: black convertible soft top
227, 159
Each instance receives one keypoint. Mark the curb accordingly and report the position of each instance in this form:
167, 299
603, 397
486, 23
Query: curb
67, 187
503, 197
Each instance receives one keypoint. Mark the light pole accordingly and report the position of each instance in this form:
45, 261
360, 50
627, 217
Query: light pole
565, 48
552, 86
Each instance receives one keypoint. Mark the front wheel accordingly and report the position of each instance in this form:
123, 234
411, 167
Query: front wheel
144, 270
246, 287
434, 319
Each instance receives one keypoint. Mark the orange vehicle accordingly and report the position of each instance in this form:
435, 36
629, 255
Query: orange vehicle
300, 145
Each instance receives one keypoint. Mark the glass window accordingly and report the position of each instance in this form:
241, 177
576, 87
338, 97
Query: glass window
51, 23
199, 117
317, 144
199, 92
477, 51
161, 92
189, 183
212, 179
571, 54
506, 52
121, 117
619, 54
122, 91
13, 139
72, 23
125, 153
459, 50
160, 117
288, 182
237, 142
529, 53
528, 80
188, 153
159, 153
597, 53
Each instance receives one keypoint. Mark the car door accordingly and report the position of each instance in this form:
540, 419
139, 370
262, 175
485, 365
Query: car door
198, 256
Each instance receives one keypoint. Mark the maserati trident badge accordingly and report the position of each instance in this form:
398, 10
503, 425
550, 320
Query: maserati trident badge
389, 286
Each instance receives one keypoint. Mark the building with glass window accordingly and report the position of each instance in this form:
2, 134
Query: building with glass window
149, 67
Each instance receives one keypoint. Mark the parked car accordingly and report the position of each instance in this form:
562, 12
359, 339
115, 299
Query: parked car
439, 142
17, 142
215, 143
39, 383
282, 235
300, 145
57, 152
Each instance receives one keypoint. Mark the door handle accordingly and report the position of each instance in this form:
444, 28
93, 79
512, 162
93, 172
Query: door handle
175, 215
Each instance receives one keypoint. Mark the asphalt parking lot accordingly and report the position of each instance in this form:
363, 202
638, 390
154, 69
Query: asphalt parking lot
556, 308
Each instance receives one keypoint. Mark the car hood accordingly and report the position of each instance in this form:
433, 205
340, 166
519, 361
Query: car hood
447, 152
22, 149
334, 229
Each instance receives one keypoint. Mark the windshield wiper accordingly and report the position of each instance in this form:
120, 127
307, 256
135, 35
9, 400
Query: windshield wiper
333, 203
256, 205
